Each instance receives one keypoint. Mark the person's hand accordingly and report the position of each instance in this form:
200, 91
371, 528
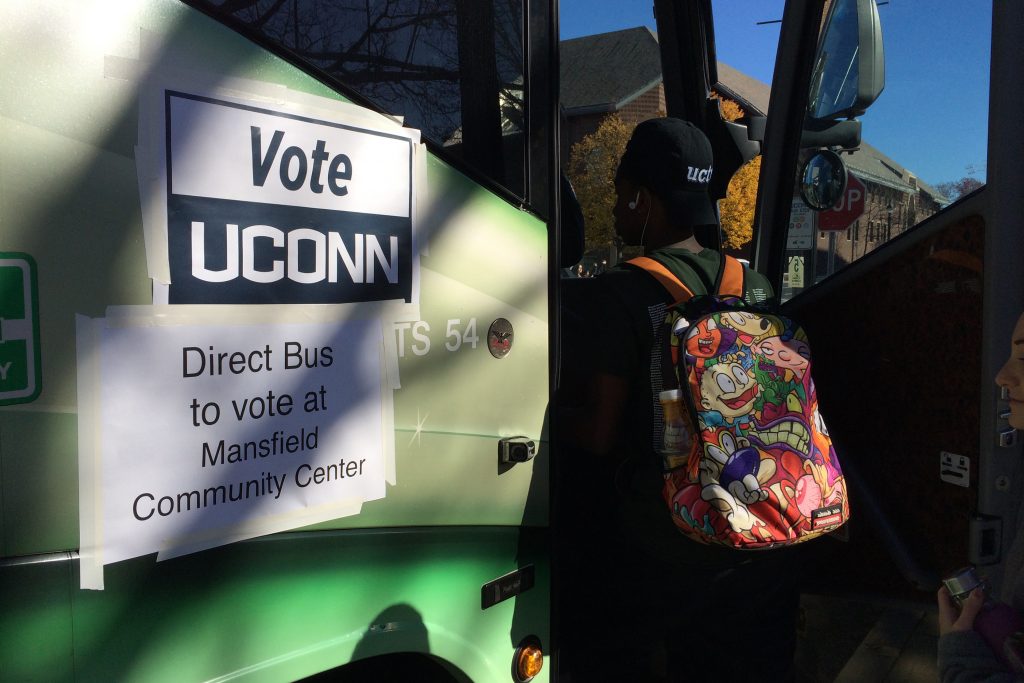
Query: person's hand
952, 619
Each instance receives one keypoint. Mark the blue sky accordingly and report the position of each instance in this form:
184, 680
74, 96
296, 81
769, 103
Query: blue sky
932, 115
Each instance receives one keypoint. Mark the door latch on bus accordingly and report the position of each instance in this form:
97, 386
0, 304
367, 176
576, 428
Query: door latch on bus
515, 449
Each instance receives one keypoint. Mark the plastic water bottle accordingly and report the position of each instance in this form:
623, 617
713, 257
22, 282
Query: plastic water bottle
675, 440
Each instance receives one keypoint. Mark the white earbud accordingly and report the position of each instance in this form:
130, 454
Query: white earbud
644, 231
632, 204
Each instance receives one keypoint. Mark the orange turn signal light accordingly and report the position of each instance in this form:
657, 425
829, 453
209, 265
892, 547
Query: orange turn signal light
529, 660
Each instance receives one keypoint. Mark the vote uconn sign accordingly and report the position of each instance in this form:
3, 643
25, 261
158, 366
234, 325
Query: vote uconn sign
266, 206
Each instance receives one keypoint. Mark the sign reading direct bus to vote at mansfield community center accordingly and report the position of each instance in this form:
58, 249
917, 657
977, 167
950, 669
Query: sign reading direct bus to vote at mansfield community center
211, 433
203, 424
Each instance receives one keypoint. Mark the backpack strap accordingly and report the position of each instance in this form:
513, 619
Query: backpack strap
731, 277
659, 272
730, 281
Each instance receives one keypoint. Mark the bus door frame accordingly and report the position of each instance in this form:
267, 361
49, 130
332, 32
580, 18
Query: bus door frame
1001, 484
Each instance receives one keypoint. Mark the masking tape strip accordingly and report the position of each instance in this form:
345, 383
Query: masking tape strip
90, 497
151, 170
387, 400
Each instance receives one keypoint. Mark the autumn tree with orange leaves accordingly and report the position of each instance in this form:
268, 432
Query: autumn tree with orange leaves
592, 165
737, 207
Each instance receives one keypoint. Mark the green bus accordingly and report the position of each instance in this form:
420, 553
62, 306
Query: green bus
386, 366
280, 286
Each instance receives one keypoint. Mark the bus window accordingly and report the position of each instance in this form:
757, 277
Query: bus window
923, 142
450, 68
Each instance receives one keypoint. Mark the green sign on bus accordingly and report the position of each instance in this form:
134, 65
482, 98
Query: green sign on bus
20, 367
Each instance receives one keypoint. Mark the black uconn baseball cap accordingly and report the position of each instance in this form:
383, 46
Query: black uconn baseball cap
673, 159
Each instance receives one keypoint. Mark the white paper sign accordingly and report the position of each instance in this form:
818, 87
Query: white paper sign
255, 197
206, 434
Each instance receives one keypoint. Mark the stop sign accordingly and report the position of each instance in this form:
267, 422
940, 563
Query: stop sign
847, 210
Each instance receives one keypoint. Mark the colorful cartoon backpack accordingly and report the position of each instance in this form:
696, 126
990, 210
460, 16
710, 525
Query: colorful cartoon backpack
748, 460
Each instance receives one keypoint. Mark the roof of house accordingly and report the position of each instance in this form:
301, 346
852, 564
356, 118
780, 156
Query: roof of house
605, 72
752, 94
868, 163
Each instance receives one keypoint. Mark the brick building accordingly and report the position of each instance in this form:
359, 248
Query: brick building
620, 73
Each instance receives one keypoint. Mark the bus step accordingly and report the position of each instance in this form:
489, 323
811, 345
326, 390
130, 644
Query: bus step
852, 639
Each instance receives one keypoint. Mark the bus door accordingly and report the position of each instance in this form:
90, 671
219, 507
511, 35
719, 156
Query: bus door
907, 276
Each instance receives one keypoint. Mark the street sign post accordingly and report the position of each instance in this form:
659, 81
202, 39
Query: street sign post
847, 210
801, 226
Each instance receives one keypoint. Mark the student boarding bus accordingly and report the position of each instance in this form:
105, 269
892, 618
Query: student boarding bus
280, 332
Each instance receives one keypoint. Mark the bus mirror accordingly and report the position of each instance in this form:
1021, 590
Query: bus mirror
818, 133
849, 68
823, 180
755, 127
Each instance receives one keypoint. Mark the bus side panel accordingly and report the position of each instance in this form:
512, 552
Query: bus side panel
36, 625
405, 574
275, 609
